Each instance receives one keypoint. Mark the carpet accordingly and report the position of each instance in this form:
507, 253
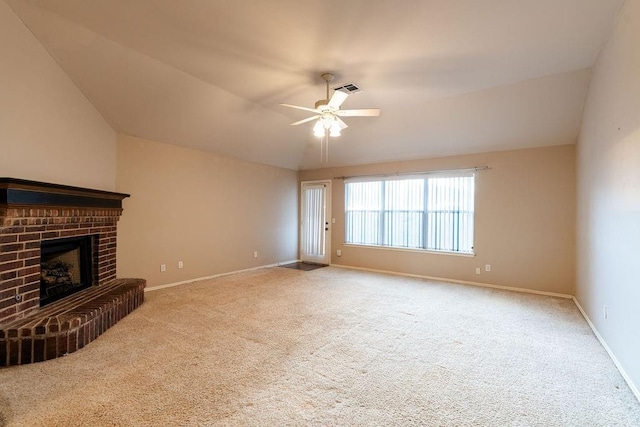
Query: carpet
276, 346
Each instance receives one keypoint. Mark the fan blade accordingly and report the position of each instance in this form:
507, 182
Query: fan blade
313, 110
337, 98
366, 112
308, 119
342, 124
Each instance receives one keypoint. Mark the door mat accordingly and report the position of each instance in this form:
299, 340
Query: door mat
305, 266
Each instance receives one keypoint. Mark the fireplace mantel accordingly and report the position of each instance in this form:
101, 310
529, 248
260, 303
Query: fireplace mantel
22, 193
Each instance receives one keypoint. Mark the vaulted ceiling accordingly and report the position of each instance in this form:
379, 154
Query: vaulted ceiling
450, 76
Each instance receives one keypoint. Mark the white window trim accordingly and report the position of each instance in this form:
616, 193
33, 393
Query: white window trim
417, 250
470, 172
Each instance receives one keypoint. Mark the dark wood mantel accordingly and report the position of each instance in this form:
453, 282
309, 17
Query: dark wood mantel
23, 193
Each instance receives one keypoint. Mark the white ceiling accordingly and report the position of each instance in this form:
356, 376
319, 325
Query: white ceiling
451, 76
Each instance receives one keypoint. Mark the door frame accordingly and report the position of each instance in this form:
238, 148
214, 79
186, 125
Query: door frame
328, 219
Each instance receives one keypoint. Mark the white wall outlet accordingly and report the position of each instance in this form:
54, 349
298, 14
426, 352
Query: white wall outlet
163, 267
487, 267
605, 312
180, 264
255, 254
477, 270
333, 220
339, 252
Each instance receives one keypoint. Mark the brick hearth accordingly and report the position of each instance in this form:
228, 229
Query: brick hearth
69, 324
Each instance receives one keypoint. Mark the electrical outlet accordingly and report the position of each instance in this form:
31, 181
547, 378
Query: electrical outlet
163, 267
487, 267
477, 270
255, 254
333, 220
605, 312
180, 264
339, 252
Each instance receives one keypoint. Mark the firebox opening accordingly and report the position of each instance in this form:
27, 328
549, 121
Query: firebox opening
66, 267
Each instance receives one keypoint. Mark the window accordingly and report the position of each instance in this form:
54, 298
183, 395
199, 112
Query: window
432, 213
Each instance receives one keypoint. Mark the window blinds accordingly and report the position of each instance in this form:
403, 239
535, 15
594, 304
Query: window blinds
432, 212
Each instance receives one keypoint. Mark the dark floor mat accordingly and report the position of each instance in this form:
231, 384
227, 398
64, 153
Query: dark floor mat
305, 266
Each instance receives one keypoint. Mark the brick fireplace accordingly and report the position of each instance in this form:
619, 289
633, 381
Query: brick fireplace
33, 215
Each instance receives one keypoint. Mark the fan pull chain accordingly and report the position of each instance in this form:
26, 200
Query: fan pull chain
326, 157
324, 148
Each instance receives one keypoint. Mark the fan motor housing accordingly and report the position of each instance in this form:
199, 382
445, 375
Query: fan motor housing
321, 103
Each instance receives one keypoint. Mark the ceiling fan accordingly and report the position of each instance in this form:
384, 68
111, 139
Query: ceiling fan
327, 113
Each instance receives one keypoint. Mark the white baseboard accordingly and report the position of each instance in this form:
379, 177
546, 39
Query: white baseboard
184, 282
632, 386
463, 282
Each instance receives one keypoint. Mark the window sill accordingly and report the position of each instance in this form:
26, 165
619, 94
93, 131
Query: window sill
422, 251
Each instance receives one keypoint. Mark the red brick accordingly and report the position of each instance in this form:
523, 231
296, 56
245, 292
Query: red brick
9, 238
7, 313
81, 337
7, 303
38, 350
12, 230
29, 237
32, 245
29, 254
27, 305
12, 247
8, 257
8, 275
73, 342
51, 351
31, 261
32, 278
3, 353
26, 347
13, 283
14, 352
8, 293
13, 265
29, 270
29, 287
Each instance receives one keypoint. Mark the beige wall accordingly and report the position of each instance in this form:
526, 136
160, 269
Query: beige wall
608, 162
524, 221
48, 130
209, 211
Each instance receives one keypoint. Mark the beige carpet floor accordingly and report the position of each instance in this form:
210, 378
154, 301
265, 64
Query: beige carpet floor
276, 347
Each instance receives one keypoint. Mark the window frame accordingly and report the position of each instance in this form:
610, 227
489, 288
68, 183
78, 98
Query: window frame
382, 211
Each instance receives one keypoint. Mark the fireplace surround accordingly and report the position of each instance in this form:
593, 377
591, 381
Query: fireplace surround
34, 218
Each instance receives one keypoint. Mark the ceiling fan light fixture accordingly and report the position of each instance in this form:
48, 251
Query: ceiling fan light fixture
328, 113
